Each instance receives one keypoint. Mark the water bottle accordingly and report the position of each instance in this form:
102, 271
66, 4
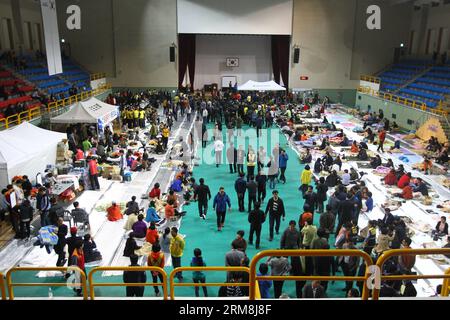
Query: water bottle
50, 293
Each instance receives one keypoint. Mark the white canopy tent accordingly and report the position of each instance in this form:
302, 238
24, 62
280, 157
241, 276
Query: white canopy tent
261, 86
89, 111
26, 150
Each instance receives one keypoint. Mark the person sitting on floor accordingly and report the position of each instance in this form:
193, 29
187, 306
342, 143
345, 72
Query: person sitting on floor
114, 212
362, 155
152, 234
427, 165
375, 162
354, 148
152, 215
91, 252
155, 192
404, 181
442, 226
139, 227
177, 185
406, 194
396, 145
307, 158
421, 187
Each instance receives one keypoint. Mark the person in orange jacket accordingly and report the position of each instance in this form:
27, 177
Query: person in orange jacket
354, 148
114, 212
152, 234
156, 259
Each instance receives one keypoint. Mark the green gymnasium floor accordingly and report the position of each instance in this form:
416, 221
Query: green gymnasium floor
204, 235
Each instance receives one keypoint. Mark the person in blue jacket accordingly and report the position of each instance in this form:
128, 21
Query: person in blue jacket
283, 159
221, 200
177, 185
152, 215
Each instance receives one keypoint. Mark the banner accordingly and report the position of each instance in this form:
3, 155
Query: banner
51, 34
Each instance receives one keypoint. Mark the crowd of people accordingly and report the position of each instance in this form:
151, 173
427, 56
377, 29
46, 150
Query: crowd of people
337, 196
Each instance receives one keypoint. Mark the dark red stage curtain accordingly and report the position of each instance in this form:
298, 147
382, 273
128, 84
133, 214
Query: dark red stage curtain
280, 58
186, 58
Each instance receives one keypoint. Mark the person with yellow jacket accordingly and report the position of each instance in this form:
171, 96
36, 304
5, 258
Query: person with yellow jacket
142, 118
165, 136
251, 163
176, 250
305, 179
124, 115
136, 117
130, 117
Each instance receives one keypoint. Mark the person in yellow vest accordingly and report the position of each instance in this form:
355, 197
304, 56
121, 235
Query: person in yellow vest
130, 115
136, 117
124, 115
176, 250
165, 136
142, 118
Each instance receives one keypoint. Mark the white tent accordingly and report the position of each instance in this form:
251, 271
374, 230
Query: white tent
261, 86
26, 150
89, 111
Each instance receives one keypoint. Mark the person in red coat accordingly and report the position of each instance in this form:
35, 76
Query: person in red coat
381, 138
390, 179
93, 174
155, 192
404, 180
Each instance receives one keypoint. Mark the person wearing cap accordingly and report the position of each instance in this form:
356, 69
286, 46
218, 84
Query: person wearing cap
114, 213
275, 208
72, 240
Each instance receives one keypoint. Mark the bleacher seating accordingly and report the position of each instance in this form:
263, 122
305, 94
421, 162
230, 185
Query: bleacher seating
430, 88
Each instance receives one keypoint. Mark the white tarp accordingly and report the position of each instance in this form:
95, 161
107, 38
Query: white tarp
261, 86
26, 150
89, 111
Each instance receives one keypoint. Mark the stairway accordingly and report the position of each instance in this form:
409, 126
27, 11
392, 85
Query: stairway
445, 123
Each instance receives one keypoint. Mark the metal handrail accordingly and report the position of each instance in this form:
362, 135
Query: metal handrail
404, 101
372, 79
97, 76
407, 252
36, 112
2, 286
309, 253
210, 284
446, 285
92, 284
11, 284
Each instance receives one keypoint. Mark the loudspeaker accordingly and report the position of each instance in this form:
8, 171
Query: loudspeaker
296, 55
172, 54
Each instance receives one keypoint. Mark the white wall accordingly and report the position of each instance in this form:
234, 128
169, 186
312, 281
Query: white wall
30, 12
324, 31
93, 45
235, 16
436, 18
143, 32
254, 53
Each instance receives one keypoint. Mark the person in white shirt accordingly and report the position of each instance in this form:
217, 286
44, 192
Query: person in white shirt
346, 178
218, 148
122, 165
205, 115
